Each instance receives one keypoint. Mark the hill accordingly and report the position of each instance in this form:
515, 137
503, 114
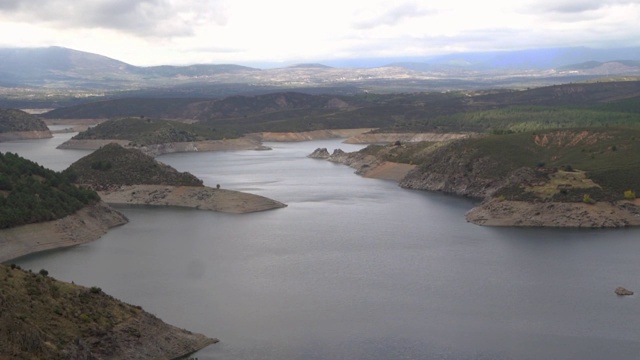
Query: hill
147, 131
52, 77
43, 318
580, 177
30, 193
112, 166
17, 124
482, 166
568, 105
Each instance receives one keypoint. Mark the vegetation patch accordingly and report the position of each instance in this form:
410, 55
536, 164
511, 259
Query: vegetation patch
17, 120
147, 131
114, 165
30, 193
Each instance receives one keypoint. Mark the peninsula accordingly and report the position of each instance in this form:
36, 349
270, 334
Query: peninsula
128, 176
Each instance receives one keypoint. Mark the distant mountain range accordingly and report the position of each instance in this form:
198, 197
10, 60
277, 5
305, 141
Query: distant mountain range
56, 69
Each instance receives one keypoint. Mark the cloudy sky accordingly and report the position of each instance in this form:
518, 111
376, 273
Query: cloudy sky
152, 32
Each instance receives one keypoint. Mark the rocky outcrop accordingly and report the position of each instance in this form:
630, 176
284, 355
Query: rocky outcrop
364, 164
497, 212
622, 291
449, 172
197, 197
87, 224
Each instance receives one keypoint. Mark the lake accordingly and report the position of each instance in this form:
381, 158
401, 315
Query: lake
355, 268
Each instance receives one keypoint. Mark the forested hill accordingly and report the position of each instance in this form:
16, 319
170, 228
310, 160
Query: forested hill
17, 120
113, 165
30, 193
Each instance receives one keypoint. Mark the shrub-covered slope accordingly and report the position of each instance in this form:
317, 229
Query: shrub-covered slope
147, 131
42, 318
519, 166
113, 165
30, 193
12, 120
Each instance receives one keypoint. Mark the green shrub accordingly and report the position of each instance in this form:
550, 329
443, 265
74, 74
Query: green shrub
629, 195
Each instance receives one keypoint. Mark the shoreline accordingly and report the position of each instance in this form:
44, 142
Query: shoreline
503, 213
195, 197
85, 225
555, 214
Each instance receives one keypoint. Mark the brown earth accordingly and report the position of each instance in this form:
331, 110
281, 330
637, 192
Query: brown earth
87, 224
198, 197
244, 143
555, 214
367, 138
24, 135
310, 135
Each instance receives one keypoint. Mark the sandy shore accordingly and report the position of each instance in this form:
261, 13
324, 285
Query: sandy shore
86, 225
555, 214
25, 135
197, 197
311, 135
387, 138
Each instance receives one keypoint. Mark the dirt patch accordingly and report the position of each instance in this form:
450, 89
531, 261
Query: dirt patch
87, 224
555, 214
197, 197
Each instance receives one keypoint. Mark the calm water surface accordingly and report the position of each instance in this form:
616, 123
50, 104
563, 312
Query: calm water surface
355, 268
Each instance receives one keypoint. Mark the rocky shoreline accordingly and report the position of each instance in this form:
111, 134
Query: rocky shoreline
496, 212
86, 225
365, 165
197, 197
493, 211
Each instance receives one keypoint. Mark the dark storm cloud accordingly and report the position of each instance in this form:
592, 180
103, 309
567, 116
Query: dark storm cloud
392, 16
139, 17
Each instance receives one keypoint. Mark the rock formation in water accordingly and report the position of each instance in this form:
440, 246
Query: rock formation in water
623, 292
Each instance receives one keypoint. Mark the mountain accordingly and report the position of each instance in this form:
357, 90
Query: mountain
536, 59
51, 77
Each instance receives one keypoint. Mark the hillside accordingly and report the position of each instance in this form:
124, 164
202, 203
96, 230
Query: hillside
112, 165
569, 105
507, 165
16, 125
147, 131
580, 177
43, 318
30, 193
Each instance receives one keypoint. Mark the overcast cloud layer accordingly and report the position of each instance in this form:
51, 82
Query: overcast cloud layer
150, 32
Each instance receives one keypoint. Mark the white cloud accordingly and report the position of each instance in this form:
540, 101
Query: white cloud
145, 32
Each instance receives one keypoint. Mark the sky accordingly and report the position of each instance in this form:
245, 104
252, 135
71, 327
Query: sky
182, 32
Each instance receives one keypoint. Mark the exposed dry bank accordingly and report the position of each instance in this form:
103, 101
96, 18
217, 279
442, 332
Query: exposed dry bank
197, 197
87, 224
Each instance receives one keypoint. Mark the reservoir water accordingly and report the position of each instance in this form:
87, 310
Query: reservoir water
355, 268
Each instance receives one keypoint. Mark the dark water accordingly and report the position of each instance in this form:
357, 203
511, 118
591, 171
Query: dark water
356, 268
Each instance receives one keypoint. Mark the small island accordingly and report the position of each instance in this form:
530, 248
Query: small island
128, 176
